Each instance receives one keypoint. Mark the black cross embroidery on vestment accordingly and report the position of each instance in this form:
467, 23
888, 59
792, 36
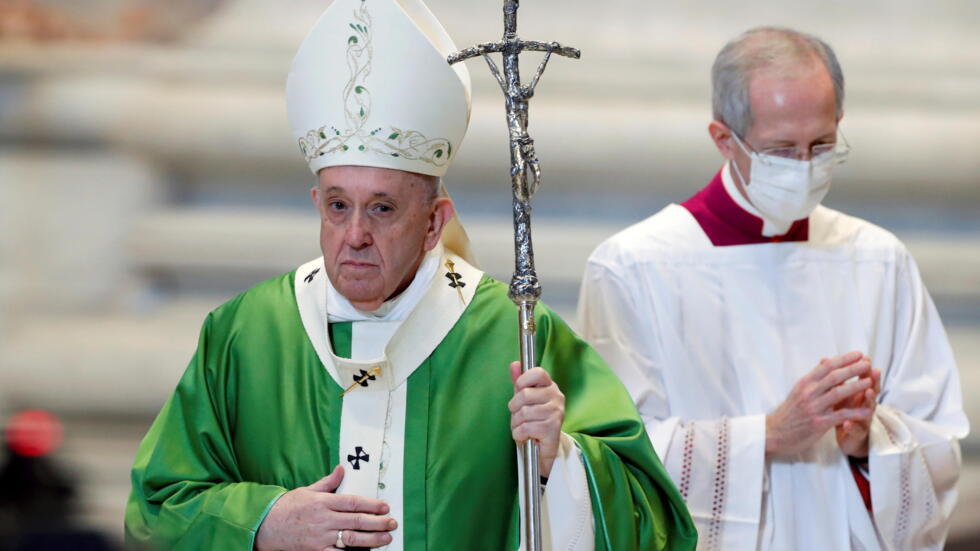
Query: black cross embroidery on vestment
455, 280
363, 378
358, 456
309, 278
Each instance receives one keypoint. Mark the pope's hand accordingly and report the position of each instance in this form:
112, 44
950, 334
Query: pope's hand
817, 402
852, 435
309, 518
537, 411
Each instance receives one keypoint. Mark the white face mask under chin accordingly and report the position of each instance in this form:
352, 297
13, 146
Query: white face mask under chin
786, 190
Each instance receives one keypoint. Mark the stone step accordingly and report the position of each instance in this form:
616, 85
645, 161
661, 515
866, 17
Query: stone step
239, 135
213, 243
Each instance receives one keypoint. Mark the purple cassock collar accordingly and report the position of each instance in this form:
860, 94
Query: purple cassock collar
727, 224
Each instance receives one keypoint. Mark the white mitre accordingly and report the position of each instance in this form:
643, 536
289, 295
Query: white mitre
370, 86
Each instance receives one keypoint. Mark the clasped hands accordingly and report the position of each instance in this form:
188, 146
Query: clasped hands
311, 517
839, 393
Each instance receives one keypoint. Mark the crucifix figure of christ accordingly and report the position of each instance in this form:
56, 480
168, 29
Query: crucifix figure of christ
525, 175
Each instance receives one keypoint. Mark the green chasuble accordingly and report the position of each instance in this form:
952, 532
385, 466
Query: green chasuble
256, 413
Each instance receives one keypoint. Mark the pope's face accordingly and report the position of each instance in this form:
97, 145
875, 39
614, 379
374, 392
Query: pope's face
376, 226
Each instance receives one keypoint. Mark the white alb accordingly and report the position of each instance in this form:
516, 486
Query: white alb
709, 340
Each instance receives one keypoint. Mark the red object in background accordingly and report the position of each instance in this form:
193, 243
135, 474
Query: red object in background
33, 433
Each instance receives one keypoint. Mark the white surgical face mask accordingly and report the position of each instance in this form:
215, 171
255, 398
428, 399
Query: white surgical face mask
787, 190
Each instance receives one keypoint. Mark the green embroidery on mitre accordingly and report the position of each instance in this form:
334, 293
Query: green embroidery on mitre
411, 145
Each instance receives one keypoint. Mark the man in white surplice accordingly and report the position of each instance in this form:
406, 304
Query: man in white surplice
789, 364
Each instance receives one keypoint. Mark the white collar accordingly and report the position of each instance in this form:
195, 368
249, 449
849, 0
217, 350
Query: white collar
340, 309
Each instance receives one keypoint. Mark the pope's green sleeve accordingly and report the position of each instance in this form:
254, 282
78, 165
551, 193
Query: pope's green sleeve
635, 504
187, 489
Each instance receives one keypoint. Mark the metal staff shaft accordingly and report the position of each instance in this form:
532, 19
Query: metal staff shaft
525, 173
531, 489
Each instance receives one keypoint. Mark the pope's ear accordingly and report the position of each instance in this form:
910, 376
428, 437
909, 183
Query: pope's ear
442, 212
722, 136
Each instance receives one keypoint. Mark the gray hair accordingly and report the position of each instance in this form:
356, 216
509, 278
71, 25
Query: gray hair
775, 48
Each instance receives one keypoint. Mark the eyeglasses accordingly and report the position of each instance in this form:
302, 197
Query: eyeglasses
793, 153
840, 148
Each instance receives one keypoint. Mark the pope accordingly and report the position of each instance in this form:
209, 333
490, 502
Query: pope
364, 399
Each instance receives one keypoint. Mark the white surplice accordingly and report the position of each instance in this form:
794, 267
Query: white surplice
710, 339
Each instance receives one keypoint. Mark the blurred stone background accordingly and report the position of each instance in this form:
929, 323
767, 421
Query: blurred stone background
147, 174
